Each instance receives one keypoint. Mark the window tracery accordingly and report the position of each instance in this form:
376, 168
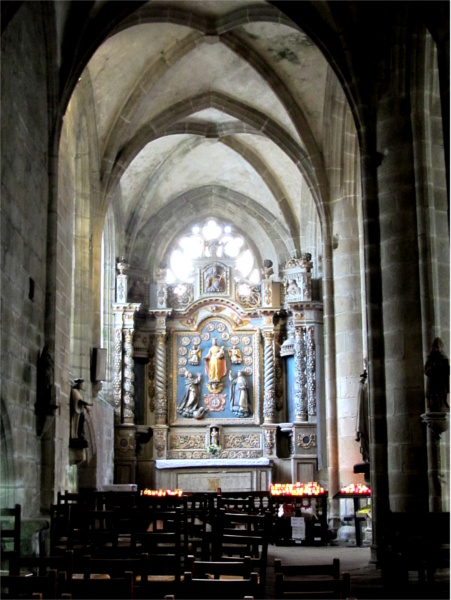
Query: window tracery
215, 241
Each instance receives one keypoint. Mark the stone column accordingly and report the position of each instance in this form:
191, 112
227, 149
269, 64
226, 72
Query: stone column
311, 370
300, 383
160, 430
401, 307
437, 423
269, 397
128, 408
161, 400
117, 373
123, 395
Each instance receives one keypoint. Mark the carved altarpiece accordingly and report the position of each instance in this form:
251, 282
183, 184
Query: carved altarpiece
165, 340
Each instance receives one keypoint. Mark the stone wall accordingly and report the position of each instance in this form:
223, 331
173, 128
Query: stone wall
24, 201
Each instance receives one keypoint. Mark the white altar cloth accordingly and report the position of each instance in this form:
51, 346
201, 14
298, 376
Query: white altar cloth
212, 462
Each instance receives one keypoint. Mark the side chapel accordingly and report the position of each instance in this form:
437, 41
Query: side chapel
208, 362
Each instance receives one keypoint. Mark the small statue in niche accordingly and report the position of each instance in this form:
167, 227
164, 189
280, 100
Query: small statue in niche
190, 403
215, 281
214, 436
437, 371
239, 395
79, 410
194, 356
235, 355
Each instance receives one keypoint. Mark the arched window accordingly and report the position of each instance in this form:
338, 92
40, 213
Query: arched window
211, 240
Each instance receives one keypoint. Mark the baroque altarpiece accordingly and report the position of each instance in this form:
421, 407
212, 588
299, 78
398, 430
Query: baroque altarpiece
218, 373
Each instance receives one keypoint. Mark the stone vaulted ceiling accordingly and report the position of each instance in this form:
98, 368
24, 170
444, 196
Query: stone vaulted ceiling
209, 108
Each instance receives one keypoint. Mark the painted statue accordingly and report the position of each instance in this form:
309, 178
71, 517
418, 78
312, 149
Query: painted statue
194, 355
190, 403
239, 395
215, 365
235, 355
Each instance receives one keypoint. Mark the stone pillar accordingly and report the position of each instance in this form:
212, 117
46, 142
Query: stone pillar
401, 306
300, 383
269, 396
437, 423
128, 414
123, 394
311, 370
160, 430
161, 400
117, 372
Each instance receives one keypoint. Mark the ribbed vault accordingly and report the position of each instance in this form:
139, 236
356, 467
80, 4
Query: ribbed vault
212, 109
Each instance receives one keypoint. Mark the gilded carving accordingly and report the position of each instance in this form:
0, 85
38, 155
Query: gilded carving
161, 404
117, 374
160, 443
248, 296
241, 441
151, 383
300, 383
267, 293
162, 294
180, 296
129, 376
311, 371
186, 442
124, 442
200, 455
269, 441
307, 440
215, 402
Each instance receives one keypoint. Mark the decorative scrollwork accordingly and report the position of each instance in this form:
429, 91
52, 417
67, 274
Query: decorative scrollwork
306, 440
300, 393
160, 443
186, 442
241, 441
117, 375
311, 371
180, 296
129, 376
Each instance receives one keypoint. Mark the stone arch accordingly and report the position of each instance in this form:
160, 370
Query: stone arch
217, 202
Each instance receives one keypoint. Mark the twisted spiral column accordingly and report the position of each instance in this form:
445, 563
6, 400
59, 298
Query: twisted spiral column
311, 370
269, 399
117, 374
161, 400
129, 378
300, 379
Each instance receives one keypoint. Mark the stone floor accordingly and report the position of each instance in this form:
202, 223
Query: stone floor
366, 579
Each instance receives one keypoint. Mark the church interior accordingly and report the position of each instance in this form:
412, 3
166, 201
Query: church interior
225, 251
